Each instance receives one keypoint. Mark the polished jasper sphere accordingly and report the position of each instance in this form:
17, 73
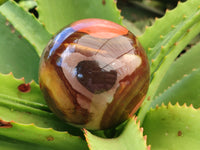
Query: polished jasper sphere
94, 74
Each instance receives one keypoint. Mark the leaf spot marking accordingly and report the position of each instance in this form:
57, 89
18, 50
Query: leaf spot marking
179, 133
20, 36
149, 98
176, 43
50, 138
24, 88
7, 23
4, 124
104, 2
12, 28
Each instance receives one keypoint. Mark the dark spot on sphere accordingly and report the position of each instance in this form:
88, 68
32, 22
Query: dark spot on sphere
94, 78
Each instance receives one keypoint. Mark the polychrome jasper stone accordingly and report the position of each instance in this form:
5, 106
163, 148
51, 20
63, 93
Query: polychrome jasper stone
94, 74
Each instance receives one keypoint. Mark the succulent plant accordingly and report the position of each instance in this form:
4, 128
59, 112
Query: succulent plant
169, 114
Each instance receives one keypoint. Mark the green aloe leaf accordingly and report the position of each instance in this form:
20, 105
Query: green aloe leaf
27, 25
28, 4
184, 91
173, 127
181, 67
17, 55
27, 106
131, 138
166, 31
2, 1
10, 87
29, 136
57, 14
131, 26
183, 81
165, 40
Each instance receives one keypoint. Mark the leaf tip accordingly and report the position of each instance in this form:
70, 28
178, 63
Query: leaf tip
170, 105
157, 107
149, 147
149, 98
145, 138
86, 137
177, 104
22, 79
85, 131
172, 26
149, 49
43, 24
10, 74
142, 130
162, 105
191, 106
184, 16
194, 69
146, 27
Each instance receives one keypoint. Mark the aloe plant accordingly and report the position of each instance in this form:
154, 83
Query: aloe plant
169, 115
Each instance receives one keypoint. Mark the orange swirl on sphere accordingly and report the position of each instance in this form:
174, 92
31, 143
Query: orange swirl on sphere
99, 28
